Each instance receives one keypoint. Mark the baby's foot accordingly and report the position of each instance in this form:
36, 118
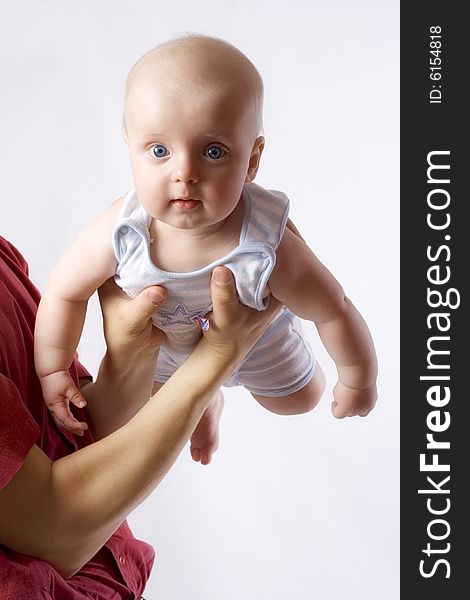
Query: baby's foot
205, 438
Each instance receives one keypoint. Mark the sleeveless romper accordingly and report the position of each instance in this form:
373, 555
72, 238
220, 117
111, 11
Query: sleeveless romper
282, 361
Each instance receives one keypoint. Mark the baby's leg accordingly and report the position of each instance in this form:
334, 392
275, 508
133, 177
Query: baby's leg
205, 438
298, 402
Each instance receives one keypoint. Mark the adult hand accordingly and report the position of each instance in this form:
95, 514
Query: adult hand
233, 327
125, 377
127, 323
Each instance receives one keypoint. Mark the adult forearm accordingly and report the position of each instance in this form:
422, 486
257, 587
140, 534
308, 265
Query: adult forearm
94, 490
349, 343
80, 499
121, 389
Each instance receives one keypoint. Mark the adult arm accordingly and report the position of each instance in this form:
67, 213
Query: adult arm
81, 499
126, 374
306, 286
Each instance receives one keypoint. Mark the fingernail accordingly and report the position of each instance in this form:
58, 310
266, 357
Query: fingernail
81, 404
156, 296
221, 276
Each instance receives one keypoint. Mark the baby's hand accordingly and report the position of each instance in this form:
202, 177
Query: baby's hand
349, 402
59, 390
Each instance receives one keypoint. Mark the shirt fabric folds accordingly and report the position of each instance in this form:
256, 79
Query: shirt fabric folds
122, 567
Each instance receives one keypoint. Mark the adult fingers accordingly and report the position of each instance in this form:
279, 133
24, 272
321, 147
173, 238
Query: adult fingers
109, 292
224, 296
142, 307
136, 312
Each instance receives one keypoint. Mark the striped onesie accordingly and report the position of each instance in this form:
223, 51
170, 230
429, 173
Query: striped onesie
281, 362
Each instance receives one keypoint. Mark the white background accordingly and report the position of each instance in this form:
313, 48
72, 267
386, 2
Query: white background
300, 507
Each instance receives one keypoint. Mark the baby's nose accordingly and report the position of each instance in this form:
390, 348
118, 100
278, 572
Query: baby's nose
186, 170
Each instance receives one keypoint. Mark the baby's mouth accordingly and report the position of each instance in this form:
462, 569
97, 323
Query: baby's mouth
186, 203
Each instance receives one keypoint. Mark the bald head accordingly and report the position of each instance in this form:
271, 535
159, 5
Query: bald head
196, 62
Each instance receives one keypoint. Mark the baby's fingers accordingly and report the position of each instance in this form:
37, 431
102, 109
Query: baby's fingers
350, 402
74, 396
339, 411
64, 418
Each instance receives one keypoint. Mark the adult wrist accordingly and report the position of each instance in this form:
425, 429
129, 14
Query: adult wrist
221, 357
123, 364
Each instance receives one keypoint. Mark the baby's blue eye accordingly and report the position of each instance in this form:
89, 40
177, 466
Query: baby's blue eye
160, 151
215, 152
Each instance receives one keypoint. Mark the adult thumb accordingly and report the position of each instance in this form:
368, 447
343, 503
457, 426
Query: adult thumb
224, 294
145, 304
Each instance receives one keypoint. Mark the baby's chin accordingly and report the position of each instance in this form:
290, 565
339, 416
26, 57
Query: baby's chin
188, 219
195, 215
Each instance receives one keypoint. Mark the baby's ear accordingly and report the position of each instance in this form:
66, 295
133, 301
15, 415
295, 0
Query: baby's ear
124, 130
255, 157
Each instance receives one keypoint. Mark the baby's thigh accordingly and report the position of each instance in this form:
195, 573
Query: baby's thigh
298, 402
280, 363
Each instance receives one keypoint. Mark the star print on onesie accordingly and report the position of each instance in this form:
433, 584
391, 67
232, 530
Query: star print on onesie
180, 315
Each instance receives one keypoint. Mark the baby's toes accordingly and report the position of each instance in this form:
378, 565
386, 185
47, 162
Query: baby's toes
206, 456
195, 454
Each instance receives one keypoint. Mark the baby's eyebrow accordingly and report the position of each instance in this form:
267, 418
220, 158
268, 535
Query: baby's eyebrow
223, 137
145, 136
205, 138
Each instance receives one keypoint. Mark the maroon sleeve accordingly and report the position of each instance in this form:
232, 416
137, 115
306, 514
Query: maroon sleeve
20, 260
18, 430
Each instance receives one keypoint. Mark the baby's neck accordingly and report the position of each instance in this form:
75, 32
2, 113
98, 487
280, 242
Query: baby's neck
204, 233
185, 250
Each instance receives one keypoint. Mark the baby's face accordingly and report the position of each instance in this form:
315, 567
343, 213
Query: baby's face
190, 152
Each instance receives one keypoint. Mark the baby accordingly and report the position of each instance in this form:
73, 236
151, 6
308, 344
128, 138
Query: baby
192, 122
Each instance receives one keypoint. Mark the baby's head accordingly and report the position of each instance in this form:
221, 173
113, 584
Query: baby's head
193, 122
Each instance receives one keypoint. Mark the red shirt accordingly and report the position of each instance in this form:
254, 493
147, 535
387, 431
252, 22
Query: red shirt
122, 567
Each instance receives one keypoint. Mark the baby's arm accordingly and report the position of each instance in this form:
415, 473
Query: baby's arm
300, 281
83, 268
